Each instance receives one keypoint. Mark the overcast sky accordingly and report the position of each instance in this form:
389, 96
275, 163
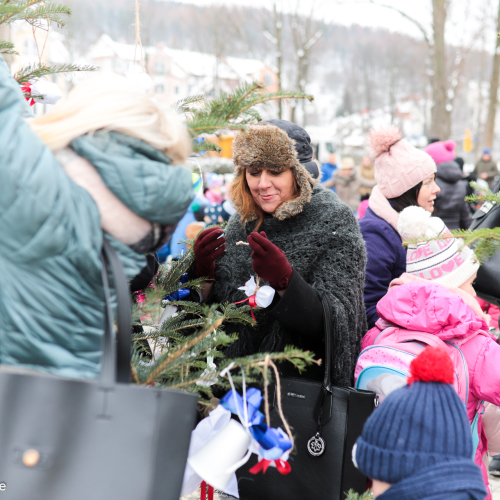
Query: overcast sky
465, 15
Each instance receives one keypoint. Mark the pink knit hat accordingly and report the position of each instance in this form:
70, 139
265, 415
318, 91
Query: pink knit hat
398, 165
446, 261
441, 151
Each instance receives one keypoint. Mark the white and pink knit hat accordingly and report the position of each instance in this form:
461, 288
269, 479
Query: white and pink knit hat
398, 165
447, 261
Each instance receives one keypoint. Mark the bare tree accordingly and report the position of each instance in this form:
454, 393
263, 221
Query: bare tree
277, 40
492, 106
306, 32
445, 75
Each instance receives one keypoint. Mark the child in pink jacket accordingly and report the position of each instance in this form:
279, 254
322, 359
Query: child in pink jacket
436, 296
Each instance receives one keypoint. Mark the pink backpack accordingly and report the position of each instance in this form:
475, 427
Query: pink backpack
385, 365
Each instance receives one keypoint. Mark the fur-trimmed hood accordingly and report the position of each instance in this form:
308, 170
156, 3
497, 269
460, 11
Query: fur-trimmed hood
266, 145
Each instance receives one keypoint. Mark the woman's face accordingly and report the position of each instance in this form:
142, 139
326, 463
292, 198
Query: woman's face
269, 188
428, 193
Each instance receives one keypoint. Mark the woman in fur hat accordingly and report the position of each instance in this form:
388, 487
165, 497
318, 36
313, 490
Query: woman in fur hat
302, 241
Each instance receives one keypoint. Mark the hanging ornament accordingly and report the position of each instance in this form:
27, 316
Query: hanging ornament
260, 296
41, 91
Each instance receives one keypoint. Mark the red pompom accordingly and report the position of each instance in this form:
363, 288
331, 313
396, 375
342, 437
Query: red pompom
433, 365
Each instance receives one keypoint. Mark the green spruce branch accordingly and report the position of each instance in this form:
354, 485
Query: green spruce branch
7, 47
194, 332
229, 111
353, 495
46, 11
484, 241
39, 70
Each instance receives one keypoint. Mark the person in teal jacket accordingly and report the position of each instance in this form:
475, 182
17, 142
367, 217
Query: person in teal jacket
101, 164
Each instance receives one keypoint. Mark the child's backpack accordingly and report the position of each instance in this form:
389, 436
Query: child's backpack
385, 365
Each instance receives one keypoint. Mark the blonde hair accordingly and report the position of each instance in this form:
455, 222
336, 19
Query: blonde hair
111, 102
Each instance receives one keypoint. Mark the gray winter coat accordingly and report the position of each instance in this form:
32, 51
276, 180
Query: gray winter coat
450, 205
325, 248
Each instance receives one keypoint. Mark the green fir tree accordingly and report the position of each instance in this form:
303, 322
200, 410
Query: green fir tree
194, 333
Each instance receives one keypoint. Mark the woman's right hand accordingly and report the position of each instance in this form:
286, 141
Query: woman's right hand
209, 246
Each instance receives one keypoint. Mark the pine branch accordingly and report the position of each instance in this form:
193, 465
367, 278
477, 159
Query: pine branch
487, 195
7, 17
233, 111
39, 70
7, 47
353, 495
47, 11
296, 357
188, 345
484, 241
183, 105
205, 146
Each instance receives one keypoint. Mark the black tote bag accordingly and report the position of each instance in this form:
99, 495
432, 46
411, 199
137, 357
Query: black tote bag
105, 439
487, 283
325, 421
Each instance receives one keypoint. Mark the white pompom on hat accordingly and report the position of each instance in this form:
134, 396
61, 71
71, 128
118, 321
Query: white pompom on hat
398, 165
446, 261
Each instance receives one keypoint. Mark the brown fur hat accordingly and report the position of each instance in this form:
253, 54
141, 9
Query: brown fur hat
266, 145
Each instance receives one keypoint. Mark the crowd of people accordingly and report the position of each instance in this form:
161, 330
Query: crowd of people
93, 169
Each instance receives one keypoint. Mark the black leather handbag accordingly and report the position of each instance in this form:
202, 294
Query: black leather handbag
325, 421
487, 283
105, 439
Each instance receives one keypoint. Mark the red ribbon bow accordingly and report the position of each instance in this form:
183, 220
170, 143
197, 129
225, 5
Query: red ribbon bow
282, 466
26, 88
252, 302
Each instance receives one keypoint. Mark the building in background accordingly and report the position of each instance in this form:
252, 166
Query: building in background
180, 73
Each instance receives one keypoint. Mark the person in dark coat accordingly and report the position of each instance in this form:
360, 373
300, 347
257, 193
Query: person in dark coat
405, 176
468, 178
418, 444
299, 238
450, 204
486, 168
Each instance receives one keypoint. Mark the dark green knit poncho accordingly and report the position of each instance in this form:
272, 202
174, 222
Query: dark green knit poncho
324, 245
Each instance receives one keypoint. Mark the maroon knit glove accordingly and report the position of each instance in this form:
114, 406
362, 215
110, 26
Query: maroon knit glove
208, 247
269, 262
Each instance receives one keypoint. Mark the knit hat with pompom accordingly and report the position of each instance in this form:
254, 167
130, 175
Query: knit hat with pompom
441, 151
447, 261
398, 165
420, 425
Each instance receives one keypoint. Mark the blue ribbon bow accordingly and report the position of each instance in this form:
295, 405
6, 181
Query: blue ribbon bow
272, 442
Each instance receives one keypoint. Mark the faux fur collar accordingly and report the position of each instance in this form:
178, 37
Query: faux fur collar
265, 145
380, 206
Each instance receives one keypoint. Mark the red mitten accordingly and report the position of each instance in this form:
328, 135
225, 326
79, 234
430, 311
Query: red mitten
269, 262
208, 247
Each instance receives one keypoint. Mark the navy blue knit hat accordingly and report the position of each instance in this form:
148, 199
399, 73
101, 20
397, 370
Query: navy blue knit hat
419, 425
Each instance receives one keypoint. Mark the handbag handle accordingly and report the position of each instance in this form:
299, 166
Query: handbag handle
327, 320
115, 365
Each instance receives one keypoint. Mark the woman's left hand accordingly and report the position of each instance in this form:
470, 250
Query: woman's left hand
269, 262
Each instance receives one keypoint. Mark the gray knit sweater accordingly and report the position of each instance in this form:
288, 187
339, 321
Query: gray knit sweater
324, 245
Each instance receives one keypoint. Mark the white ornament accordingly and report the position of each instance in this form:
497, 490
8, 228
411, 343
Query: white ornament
50, 91
264, 295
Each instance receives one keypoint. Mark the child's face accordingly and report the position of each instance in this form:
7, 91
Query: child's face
379, 487
467, 286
